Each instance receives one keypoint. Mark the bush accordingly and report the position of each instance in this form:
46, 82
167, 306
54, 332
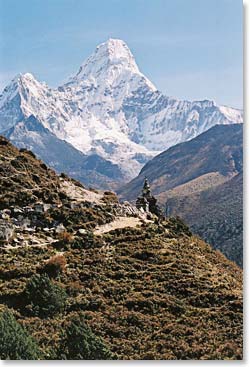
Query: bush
110, 197
15, 342
74, 288
44, 297
79, 342
86, 242
54, 266
65, 237
178, 226
64, 240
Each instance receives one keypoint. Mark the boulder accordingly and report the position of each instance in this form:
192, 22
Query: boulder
7, 231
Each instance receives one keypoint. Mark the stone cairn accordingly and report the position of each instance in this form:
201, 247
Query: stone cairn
147, 202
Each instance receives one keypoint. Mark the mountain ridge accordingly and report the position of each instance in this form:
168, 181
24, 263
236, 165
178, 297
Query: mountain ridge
215, 214
111, 109
62, 156
201, 181
189, 160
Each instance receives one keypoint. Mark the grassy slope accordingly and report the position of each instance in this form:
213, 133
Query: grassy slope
155, 292
151, 296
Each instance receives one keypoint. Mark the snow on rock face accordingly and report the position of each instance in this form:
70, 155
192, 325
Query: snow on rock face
110, 108
113, 55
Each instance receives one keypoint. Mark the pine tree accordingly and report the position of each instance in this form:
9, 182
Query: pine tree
15, 342
80, 343
44, 296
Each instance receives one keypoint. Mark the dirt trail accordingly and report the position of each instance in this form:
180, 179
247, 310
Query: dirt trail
77, 193
120, 222
35, 242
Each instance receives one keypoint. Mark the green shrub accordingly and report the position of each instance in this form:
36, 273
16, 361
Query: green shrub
44, 297
15, 342
87, 241
178, 226
79, 342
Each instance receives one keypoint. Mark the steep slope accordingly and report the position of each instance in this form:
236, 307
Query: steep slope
212, 157
201, 181
111, 109
62, 156
30, 189
151, 292
216, 214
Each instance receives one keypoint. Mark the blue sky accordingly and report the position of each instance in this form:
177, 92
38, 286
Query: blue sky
188, 48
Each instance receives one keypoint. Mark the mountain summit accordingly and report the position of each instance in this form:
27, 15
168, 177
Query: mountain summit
111, 109
113, 55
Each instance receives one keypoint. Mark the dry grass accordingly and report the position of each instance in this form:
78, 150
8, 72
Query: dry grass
151, 293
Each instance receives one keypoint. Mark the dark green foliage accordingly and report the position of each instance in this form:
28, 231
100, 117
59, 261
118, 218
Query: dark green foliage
44, 297
15, 342
178, 226
79, 342
83, 217
87, 241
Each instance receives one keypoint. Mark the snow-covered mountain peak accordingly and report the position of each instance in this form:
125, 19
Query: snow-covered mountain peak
111, 62
111, 109
26, 77
28, 80
22, 97
113, 54
19, 83
22, 79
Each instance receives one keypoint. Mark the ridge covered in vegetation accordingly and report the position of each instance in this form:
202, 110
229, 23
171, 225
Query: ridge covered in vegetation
148, 291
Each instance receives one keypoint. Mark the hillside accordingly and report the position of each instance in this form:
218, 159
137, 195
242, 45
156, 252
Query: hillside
216, 214
148, 289
197, 180
217, 151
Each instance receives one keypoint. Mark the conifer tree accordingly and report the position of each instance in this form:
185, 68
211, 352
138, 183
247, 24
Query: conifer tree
44, 297
15, 342
79, 342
